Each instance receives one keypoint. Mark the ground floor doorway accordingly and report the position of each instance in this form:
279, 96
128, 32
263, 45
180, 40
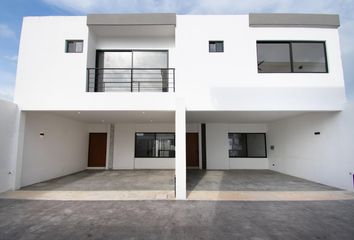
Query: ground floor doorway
97, 150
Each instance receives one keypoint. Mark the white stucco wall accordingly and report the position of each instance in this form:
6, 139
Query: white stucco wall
230, 81
46, 73
223, 81
63, 149
124, 143
9, 117
327, 158
217, 146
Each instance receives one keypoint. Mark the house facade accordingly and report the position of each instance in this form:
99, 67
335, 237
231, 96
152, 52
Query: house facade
167, 91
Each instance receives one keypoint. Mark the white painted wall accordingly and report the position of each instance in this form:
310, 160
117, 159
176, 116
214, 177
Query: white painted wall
223, 81
63, 149
124, 146
327, 158
217, 146
229, 80
9, 118
45, 73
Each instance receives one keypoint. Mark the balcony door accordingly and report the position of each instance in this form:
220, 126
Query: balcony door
131, 70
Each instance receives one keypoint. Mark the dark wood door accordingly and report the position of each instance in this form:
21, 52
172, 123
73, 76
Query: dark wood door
97, 150
192, 150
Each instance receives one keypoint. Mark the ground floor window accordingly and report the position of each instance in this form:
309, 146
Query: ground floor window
247, 145
154, 145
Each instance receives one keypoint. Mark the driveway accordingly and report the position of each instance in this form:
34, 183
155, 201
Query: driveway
24, 219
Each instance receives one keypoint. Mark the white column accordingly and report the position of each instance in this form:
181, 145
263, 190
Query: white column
180, 169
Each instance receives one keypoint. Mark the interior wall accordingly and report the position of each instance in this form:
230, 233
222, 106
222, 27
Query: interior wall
217, 147
124, 146
61, 151
9, 114
327, 158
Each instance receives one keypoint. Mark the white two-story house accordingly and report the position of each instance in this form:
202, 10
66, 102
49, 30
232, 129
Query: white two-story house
167, 91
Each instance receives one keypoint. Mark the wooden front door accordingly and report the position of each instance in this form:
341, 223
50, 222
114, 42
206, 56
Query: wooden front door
97, 150
192, 150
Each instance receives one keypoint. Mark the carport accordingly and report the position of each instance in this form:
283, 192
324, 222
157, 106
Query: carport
58, 149
242, 156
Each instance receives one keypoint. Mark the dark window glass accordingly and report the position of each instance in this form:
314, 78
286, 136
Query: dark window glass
292, 56
237, 145
247, 145
256, 145
216, 46
154, 145
145, 145
165, 144
74, 46
309, 57
273, 58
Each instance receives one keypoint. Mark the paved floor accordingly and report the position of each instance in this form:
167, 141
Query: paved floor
232, 185
197, 180
100, 180
249, 180
22, 220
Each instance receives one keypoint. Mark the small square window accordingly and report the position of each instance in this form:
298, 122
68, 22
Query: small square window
216, 46
74, 46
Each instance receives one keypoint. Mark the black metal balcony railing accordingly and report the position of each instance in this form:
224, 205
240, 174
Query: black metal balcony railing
130, 79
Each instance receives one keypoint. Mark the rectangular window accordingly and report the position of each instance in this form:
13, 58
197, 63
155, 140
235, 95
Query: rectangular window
247, 145
273, 57
149, 74
291, 57
154, 145
309, 57
216, 46
74, 46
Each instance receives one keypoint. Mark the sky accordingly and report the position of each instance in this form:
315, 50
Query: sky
12, 12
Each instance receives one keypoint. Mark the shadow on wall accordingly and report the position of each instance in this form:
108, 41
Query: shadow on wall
9, 119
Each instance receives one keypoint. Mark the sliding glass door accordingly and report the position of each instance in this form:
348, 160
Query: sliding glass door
133, 70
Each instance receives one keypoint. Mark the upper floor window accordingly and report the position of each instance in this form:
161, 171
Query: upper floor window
74, 46
216, 46
291, 57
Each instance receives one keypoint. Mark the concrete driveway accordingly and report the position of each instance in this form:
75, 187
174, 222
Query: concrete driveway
231, 185
23, 219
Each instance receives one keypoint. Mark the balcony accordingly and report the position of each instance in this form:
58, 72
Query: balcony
130, 80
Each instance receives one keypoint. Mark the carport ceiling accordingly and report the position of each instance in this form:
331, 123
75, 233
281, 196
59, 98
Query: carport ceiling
119, 116
239, 116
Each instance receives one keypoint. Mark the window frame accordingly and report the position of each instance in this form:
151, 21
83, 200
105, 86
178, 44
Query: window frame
250, 133
291, 60
215, 42
155, 134
67, 41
